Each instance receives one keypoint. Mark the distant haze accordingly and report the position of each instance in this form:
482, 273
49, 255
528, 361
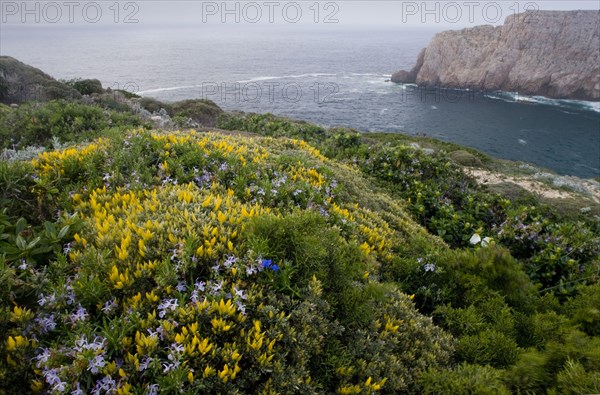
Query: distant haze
437, 15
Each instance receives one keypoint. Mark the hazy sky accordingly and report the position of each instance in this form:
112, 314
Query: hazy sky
331, 14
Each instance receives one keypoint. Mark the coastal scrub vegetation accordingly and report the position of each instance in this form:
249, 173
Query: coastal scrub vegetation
278, 257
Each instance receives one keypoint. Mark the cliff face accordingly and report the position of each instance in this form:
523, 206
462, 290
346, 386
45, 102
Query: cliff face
548, 53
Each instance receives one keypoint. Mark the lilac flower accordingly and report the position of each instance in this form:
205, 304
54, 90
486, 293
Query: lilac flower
200, 285
52, 378
429, 267
152, 389
80, 315
167, 367
231, 259
47, 323
181, 286
107, 385
67, 248
297, 192
70, 295
215, 288
106, 177
23, 264
167, 304
240, 293
216, 268
42, 358
109, 306
250, 270
96, 364
83, 344
77, 390
241, 307
176, 348
145, 363
47, 300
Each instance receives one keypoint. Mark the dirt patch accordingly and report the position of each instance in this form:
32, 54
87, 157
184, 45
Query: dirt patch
531, 185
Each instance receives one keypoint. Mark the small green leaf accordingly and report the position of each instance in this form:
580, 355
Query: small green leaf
20, 225
33, 243
20, 242
63, 231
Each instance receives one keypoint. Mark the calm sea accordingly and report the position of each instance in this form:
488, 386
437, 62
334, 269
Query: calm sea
329, 76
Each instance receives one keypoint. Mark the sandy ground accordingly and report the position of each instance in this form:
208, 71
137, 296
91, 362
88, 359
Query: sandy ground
533, 186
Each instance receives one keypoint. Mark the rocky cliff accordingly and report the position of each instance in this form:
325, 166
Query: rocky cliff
548, 53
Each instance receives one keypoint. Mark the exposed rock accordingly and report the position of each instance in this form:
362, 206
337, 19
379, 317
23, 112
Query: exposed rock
20, 82
547, 53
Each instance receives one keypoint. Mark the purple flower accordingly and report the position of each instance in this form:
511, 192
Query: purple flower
54, 380
43, 357
216, 287
48, 324
96, 364
231, 259
167, 304
77, 390
107, 385
250, 270
429, 267
152, 389
109, 305
144, 363
80, 315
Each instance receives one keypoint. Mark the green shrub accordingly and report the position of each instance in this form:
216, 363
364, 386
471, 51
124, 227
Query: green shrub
87, 86
584, 309
202, 111
465, 158
529, 375
154, 105
38, 124
465, 379
575, 379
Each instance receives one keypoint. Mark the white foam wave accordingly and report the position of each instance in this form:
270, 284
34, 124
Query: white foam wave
171, 88
282, 77
571, 104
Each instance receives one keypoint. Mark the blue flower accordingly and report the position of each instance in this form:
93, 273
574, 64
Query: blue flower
268, 264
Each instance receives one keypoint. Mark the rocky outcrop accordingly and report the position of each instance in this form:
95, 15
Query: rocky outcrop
20, 82
548, 53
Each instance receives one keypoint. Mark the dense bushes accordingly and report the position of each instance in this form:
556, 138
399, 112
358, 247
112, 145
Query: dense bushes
37, 123
205, 263
209, 263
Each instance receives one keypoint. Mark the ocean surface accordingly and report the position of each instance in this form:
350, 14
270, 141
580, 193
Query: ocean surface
331, 76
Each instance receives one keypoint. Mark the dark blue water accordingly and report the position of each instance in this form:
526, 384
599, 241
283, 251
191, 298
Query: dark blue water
329, 76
